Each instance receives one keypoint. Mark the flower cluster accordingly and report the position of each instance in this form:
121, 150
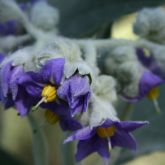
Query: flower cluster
65, 100
61, 77
61, 99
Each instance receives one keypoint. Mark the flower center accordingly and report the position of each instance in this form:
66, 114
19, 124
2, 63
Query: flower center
106, 132
153, 93
49, 93
51, 117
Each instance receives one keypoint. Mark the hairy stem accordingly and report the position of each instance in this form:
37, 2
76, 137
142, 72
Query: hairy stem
40, 152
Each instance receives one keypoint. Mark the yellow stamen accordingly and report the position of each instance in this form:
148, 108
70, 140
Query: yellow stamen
153, 93
106, 132
51, 117
49, 93
146, 51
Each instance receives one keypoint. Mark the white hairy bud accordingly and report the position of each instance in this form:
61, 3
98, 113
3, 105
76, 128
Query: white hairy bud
150, 24
101, 110
44, 16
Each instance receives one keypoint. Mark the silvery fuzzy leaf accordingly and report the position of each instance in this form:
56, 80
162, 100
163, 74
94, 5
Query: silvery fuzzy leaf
81, 67
118, 56
123, 53
90, 55
105, 87
125, 67
44, 16
84, 119
22, 57
101, 110
131, 71
150, 24
66, 48
158, 51
131, 89
9, 10
11, 42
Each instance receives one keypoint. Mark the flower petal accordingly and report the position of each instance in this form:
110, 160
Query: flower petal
5, 77
82, 134
79, 85
69, 124
94, 144
2, 56
123, 139
13, 83
148, 81
145, 60
85, 148
130, 125
102, 147
21, 108
149, 62
76, 91
32, 87
53, 70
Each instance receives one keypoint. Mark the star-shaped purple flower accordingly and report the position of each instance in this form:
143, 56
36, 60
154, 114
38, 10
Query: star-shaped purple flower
104, 137
76, 91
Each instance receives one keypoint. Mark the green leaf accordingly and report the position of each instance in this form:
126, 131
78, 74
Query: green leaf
150, 138
83, 17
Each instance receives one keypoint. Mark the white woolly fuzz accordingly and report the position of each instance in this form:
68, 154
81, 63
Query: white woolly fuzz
150, 24
101, 110
44, 16
105, 88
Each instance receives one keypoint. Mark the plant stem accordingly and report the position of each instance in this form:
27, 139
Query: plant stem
67, 153
126, 112
40, 154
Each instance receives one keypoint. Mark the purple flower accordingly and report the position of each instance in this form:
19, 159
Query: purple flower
42, 85
150, 79
12, 93
148, 82
100, 139
76, 91
149, 62
58, 112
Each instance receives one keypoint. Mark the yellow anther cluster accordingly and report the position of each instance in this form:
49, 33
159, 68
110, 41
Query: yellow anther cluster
153, 93
49, 93
106, 132
51, 117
